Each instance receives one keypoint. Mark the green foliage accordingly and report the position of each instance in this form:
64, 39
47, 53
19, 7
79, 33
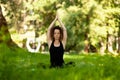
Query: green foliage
81, 17
94, 17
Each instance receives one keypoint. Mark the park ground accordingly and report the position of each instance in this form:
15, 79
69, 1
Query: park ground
18, 64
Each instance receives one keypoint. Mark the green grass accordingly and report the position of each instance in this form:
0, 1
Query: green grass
18, 64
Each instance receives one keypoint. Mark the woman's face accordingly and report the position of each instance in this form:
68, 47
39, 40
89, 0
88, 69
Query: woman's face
56, 34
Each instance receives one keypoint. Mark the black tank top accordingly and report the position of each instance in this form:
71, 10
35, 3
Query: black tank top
56, 55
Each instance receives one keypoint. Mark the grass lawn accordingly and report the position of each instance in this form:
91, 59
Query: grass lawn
18, 64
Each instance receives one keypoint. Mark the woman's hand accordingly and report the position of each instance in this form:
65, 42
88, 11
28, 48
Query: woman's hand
58, 18
55, 19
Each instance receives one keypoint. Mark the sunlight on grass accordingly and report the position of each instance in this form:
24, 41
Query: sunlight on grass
73, 56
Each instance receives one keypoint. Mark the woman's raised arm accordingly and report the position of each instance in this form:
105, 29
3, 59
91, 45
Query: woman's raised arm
49, 40
64, 31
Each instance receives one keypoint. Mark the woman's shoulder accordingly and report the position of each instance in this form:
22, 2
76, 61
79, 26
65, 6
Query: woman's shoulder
50, 43
63, 44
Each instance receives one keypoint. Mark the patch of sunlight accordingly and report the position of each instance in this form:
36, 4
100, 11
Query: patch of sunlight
100, 30
74, 56
110, 30
73, 8
18, 38
61, 13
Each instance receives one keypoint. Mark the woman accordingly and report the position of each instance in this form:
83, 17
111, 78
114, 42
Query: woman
56, 37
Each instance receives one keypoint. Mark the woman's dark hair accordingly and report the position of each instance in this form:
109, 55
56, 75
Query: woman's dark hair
52, 32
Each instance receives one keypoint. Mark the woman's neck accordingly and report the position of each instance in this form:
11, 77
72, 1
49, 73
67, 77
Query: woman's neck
56, 43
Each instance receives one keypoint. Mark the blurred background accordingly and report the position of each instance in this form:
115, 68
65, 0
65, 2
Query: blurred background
93, 26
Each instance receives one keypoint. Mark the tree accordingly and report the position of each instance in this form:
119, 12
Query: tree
88, 22
4, 33
13, 10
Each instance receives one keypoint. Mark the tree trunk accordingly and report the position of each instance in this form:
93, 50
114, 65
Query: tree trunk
102, 47
118, 45
107, 42
4, 33
109, 46
86, 42
118, 41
